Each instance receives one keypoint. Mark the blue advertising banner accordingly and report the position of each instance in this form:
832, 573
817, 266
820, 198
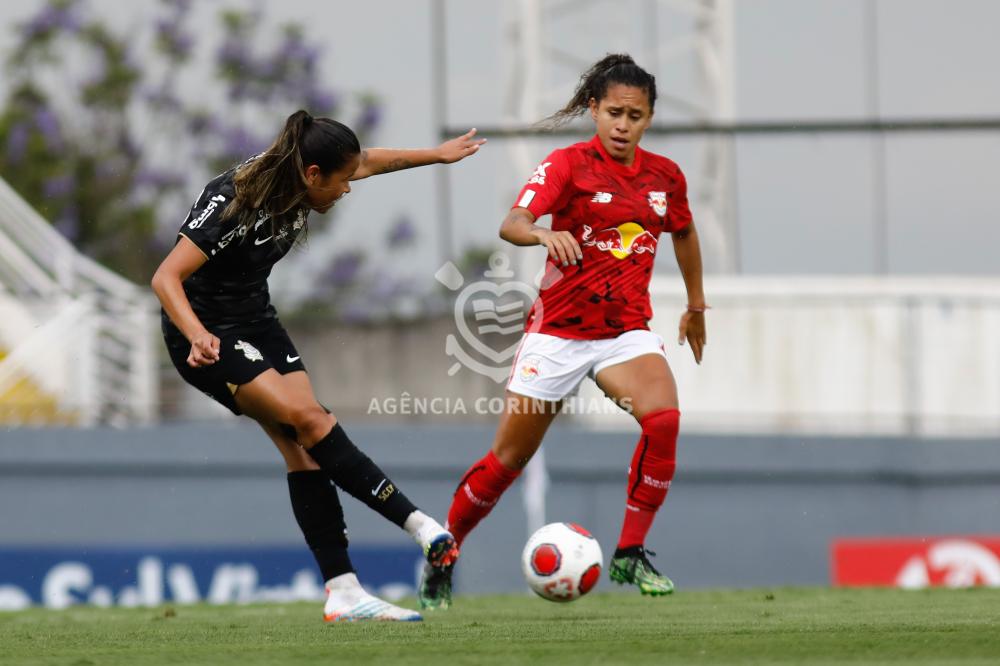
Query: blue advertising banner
58, 577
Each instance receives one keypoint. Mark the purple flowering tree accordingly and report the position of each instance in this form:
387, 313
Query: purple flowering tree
347, 291
98, 136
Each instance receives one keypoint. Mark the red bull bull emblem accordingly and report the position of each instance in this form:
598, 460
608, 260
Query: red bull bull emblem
529, 368
620, 241
658, 201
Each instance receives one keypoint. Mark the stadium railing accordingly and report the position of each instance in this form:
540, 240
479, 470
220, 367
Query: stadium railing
100, 325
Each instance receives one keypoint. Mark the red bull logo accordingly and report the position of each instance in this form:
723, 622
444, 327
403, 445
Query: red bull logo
620, 241
529, 369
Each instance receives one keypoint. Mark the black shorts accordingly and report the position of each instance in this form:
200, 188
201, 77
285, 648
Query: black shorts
242, 357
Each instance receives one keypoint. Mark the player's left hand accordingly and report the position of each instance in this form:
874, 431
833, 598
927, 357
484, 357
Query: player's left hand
459, 147
692, 329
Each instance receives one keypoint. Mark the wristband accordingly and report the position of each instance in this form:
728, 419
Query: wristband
692, 308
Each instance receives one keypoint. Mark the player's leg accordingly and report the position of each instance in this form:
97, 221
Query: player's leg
519, 434
546, 370
289, 401
318, 512
645, 385
314, 500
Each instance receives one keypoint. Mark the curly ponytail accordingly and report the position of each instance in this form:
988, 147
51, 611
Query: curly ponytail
611, 69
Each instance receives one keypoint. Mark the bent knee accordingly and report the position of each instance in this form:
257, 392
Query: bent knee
661, 421
660, 430
310, 424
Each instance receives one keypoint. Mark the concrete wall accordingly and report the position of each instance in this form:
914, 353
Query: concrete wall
900, 357
743, 511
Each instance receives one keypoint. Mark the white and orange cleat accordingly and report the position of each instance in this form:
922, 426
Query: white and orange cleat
347, 601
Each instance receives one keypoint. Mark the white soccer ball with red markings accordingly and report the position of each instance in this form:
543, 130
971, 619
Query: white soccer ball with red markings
562, 562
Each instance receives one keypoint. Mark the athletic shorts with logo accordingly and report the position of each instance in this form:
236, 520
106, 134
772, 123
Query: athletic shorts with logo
547, 367
242, 356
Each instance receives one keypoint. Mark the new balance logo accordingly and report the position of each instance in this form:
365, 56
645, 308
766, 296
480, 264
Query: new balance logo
602, 197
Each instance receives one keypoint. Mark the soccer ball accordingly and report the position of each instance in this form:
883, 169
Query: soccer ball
562, 562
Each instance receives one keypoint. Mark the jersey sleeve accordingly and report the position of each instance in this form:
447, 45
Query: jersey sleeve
204, 225
678, 211
548, 187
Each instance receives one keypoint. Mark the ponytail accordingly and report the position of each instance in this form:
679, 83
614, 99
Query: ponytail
611, 69
275, 180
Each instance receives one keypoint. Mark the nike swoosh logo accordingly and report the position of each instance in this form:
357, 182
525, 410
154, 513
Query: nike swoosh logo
291, 359
258, 241
379, 487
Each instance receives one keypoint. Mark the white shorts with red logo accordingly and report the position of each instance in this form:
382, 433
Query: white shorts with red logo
551, 368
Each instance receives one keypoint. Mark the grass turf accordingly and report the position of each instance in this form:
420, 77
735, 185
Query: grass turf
706, 627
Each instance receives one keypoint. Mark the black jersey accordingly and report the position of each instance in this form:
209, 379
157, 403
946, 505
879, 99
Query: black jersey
229, 292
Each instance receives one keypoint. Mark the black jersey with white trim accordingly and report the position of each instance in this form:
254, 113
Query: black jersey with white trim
229, 291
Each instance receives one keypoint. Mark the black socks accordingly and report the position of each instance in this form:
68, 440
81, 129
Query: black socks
355, 472
319, 514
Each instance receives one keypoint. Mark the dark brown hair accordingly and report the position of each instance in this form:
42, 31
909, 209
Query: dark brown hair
275, 180
611, 69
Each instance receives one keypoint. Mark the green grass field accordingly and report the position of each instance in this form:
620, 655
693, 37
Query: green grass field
705, 627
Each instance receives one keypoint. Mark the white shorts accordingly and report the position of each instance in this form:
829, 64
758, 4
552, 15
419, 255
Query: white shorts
551, 368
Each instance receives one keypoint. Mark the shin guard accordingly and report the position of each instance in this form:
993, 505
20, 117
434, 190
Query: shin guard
478, 492
650, 474
320, 517
355, 472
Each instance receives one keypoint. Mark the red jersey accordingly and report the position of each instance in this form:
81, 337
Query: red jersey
617, 214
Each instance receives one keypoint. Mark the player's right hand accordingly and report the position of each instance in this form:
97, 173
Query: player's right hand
562, 246
204, 350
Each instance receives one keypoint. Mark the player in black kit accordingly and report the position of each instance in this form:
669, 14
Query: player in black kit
225, 339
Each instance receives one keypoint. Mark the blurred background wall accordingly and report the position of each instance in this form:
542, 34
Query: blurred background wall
843, 161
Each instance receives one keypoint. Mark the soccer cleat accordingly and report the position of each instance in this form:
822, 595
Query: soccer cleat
441, 551
347, 601
434, 592
632, 565
370, 608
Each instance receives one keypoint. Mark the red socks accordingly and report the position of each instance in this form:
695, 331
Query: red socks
650, 474
649, 478
478, 492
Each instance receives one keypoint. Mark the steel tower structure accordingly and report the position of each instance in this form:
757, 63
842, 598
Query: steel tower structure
693, 38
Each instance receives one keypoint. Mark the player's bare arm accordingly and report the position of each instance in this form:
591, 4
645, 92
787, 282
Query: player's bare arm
692, 324
519, 228
167, 282
376, 161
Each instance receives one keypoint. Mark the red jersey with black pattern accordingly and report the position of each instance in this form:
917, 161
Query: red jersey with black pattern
616, 213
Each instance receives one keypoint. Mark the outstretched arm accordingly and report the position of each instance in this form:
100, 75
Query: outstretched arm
688, 253
375, 161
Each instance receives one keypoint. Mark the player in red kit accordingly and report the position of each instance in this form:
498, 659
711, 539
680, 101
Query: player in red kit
611, 202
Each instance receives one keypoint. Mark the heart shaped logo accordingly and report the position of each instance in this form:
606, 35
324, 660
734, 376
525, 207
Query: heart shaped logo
494, 315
